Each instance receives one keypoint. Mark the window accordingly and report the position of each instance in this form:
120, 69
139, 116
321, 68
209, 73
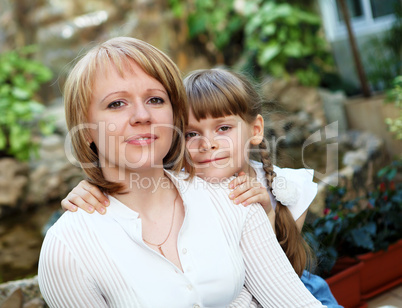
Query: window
354, 7
367, 16
381, 8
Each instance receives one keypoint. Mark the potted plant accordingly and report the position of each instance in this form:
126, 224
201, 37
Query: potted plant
365, 230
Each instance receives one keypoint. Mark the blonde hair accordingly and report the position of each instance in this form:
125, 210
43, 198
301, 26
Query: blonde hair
118, 52
219, 92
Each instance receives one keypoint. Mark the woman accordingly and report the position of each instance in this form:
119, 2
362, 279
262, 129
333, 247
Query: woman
167, 240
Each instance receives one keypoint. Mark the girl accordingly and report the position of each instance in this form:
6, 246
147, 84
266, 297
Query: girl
224, 110
179, 243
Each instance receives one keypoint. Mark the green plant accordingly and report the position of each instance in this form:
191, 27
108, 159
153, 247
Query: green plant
20, 79
286, 40
382, 63
382, 53
365, 224
273, 36
395, 95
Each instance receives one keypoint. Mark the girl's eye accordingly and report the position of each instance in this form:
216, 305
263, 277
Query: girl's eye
156, 101
115, 105
224, 128
190, 135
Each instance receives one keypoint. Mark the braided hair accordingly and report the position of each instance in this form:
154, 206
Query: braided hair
292, 242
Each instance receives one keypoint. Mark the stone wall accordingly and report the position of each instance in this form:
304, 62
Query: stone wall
21, 294
63, 30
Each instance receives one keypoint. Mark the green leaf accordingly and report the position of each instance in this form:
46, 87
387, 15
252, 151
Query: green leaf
293, 49
197, 25
20, 94
362, 237
382, 172
268, 53
36, 108
392, 174
268, 29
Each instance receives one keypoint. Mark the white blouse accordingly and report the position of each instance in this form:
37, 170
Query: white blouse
93, 260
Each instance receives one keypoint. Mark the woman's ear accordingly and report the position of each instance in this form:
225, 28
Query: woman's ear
258, 130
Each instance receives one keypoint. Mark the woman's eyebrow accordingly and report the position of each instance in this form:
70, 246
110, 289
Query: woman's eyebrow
156, 89
126, 92
112, 93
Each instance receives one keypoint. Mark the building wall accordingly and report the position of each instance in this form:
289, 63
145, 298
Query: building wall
368, 32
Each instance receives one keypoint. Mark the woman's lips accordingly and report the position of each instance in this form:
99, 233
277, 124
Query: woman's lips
144, 139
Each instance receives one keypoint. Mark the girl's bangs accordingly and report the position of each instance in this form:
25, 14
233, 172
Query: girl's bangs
215, 102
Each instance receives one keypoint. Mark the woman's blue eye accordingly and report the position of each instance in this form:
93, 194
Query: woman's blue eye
156, 101
115, 104
224, 128
190, 135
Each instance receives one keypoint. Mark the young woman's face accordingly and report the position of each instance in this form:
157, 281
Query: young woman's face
133, 120
218, 146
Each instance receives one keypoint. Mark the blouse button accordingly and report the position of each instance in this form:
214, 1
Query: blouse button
189, 287
196, 306
184, 250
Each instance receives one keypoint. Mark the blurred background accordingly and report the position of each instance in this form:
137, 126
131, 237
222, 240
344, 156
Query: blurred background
329, 71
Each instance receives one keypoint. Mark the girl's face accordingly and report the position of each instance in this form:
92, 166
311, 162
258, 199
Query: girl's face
219, 146
131, 120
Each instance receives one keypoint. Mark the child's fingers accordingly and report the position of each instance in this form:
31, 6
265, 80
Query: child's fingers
238, 180
94, 191
245, 192
251, 200
68, 206
82, 199
244, 186
91, 201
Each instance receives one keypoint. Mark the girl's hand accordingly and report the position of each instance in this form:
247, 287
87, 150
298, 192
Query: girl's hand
87, 197
247, 190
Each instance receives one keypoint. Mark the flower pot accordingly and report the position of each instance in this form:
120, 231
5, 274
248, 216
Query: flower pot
381, 270
345, 283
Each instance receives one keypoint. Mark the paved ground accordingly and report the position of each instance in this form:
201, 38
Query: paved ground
390, 299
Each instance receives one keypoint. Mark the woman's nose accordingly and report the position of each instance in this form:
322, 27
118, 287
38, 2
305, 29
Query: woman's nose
140, 115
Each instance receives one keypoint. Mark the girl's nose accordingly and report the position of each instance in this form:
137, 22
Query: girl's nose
140, 115
207, 145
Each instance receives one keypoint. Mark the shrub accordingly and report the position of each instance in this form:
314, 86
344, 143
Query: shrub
20, 121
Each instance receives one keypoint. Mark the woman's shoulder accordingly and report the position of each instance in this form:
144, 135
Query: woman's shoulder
72, 224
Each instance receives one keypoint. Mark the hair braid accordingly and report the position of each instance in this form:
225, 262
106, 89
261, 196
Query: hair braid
289, 237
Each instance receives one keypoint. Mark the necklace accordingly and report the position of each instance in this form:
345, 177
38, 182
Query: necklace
159, 246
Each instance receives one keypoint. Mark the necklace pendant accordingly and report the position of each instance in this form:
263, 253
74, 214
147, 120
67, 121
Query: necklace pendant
161, 251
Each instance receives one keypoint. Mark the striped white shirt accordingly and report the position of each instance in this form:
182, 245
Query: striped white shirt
93, 260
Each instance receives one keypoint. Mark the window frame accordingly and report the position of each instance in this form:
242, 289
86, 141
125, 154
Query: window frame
336, 30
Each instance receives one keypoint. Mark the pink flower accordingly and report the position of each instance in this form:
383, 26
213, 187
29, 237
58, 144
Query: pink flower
336, 217
383, 188
327, 211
